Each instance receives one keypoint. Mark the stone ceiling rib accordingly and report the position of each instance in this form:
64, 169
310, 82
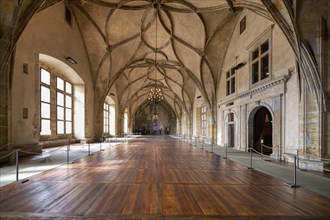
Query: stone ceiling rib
179, 53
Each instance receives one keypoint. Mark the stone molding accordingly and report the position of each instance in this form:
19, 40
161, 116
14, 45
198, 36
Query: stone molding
259, 89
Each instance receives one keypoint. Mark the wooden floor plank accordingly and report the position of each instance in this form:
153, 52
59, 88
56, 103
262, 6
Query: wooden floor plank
157, 177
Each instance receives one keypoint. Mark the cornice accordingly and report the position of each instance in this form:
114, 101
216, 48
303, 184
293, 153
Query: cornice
258, 89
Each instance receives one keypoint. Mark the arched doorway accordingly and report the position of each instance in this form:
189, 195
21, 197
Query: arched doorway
261, 129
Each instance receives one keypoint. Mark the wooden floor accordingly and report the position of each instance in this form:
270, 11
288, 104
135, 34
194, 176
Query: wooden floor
157, 177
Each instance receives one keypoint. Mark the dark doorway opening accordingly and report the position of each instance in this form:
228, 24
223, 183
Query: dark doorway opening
262, 130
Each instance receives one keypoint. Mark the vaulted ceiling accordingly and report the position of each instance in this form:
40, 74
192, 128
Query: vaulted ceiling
177, 44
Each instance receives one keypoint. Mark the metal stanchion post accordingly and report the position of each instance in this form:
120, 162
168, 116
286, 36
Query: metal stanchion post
17, 164
226, 149
298, 159
211, 146
294, 184
89, 149
101, 144
203, 143
262, 151
67, 154
250, 159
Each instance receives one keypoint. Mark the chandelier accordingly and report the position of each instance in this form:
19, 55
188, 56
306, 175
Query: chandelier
155, 94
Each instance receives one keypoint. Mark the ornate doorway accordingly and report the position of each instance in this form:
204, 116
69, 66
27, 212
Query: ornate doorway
261, 129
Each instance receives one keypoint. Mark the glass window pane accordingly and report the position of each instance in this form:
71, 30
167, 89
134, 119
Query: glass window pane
228, 87
68, 101
60, 127
68, 87
45, 127
60, 113
45, 76
255, 54
45, 94
45, 110
68, 127
60, 99
264, 47
228, 74
264, 67
232, 86
68, 114
255, 72
60, 84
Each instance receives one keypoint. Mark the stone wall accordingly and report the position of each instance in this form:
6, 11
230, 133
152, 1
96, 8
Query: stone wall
47, 33
272, 92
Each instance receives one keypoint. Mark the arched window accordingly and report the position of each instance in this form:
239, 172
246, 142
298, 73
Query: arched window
204, 121
106, 118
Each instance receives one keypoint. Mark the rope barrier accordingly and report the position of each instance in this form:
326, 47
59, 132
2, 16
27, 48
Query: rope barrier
29, 152
9, 145
55, 149
3, 157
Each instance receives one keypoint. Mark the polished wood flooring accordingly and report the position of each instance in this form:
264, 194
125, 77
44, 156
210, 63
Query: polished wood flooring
157, 177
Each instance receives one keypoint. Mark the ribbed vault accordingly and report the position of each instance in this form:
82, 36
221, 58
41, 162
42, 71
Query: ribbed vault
179, 44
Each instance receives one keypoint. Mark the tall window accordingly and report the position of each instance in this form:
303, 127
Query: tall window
204, 121
106, 118
260, 62
230, 81
63, 106
242, 25
45, 102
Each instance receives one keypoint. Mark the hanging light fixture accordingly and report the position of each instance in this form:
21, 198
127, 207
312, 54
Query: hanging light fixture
156, 93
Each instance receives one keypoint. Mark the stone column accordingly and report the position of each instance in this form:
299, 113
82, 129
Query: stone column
4, 103
211, 126
243, 125
277, 124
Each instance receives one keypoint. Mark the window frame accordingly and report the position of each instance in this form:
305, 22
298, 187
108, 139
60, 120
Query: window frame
258, 59
47, 86
106, 118
242, 25
230, 80
255, 45
65, 107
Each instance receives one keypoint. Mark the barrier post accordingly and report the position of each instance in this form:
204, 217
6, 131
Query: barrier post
212, 146
202, 143
67, 154
226, 146
89, 149
262, 148
17, 165
294, 184
250, 159
298, 159
101, 144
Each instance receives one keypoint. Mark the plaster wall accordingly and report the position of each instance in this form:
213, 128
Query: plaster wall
279, 92
47, 33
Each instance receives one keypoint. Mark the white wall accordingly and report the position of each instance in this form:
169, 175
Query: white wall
47, 33
282, 59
